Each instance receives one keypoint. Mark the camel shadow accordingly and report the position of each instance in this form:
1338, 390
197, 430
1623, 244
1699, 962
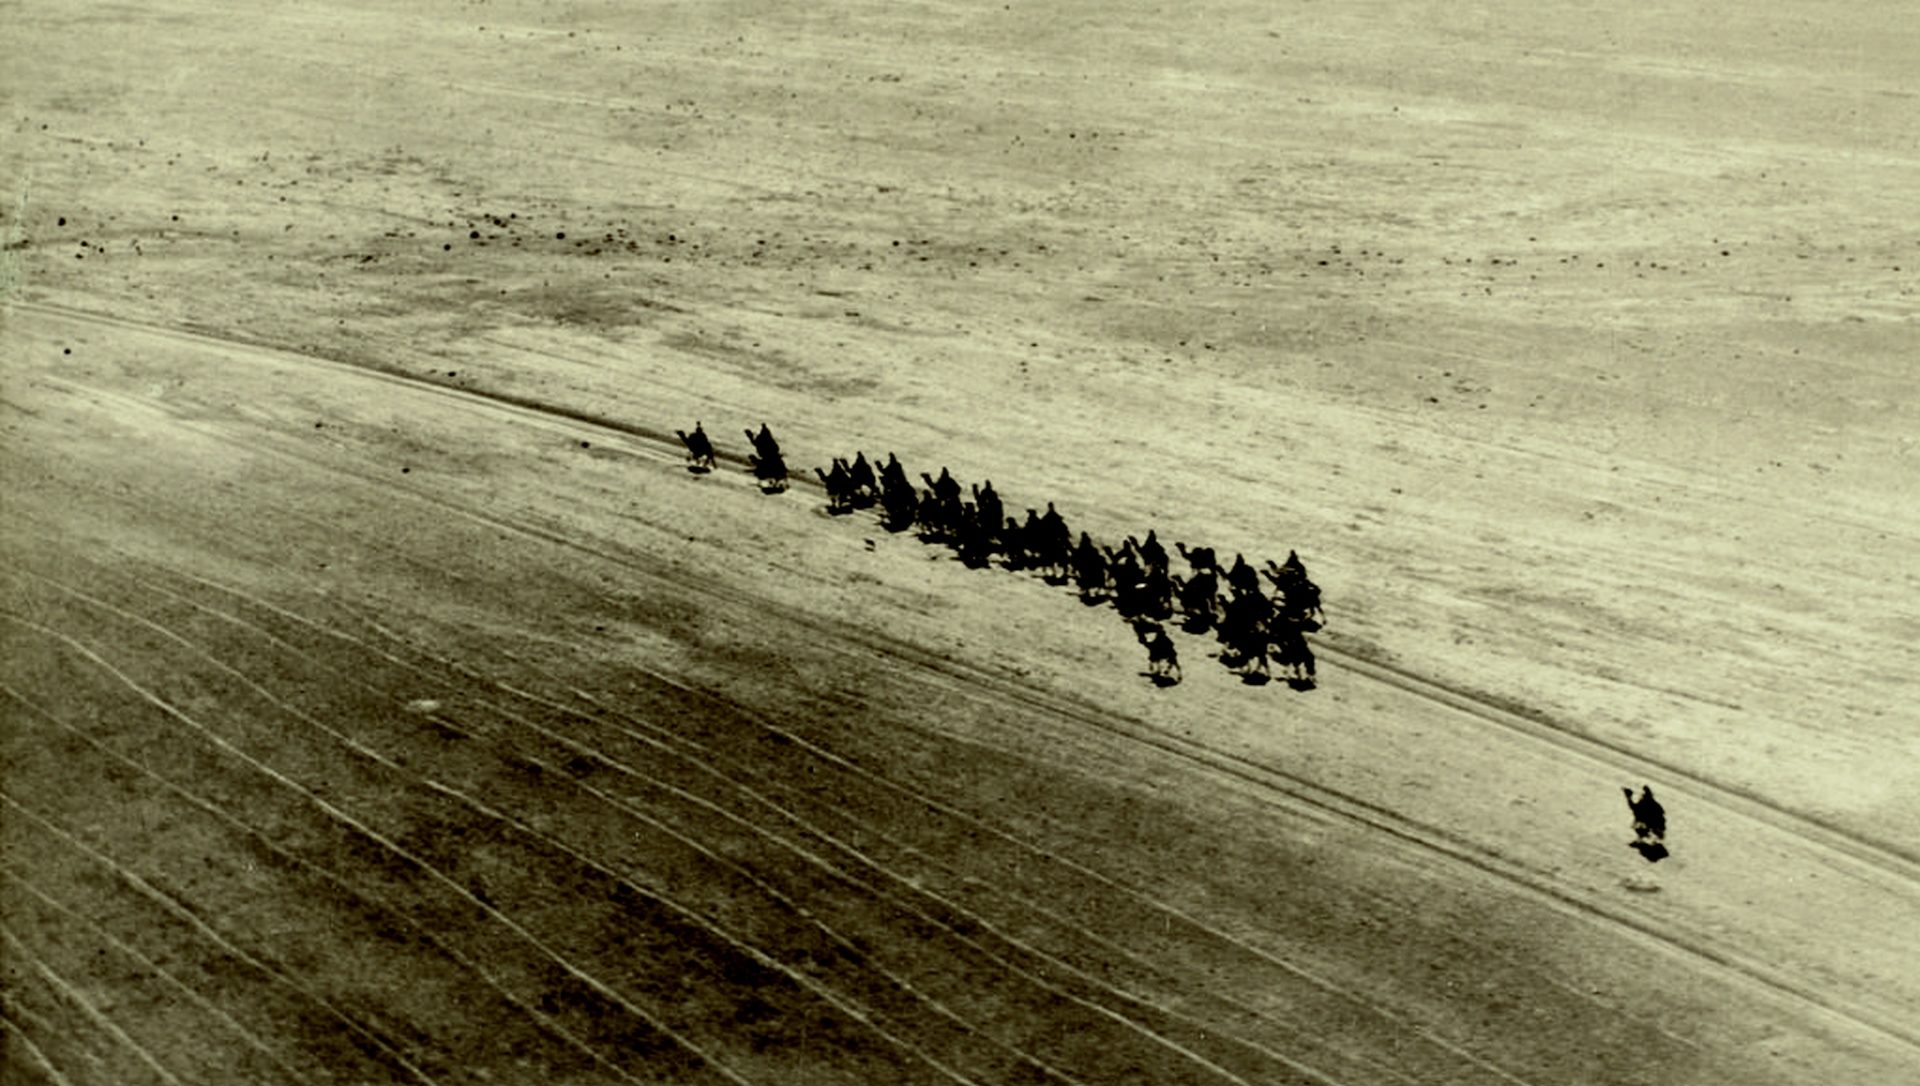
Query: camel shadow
1652, 851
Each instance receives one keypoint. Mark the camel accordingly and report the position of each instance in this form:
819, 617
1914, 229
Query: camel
700, 456
1163, 659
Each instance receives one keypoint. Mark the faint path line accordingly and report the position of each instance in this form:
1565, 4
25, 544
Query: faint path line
373, 835
806, 982
252, 1039
26, 1014
540, 1021
93, 1013
1018, 898
182, 913
522, 406
816, 861
14, 1035
1323, 984
759, 883
885, 872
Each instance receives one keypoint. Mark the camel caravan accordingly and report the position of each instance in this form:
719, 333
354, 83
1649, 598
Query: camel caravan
1254, 623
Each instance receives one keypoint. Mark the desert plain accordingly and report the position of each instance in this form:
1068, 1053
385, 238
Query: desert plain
384, 701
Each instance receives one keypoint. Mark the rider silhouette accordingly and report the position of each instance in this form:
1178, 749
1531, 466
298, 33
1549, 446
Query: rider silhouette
1649, 824
865, 485
763, 443
699, 446
1242, 579
1151, 552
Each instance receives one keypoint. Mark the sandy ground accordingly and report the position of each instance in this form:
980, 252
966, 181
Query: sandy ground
384, 702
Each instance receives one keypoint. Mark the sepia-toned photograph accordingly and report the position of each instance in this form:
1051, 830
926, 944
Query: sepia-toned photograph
950, 543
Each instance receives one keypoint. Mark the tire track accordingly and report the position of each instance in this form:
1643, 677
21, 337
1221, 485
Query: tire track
367, 832
801, 979
264, 967
20, 953
557, 772
193, 996
11, 1034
